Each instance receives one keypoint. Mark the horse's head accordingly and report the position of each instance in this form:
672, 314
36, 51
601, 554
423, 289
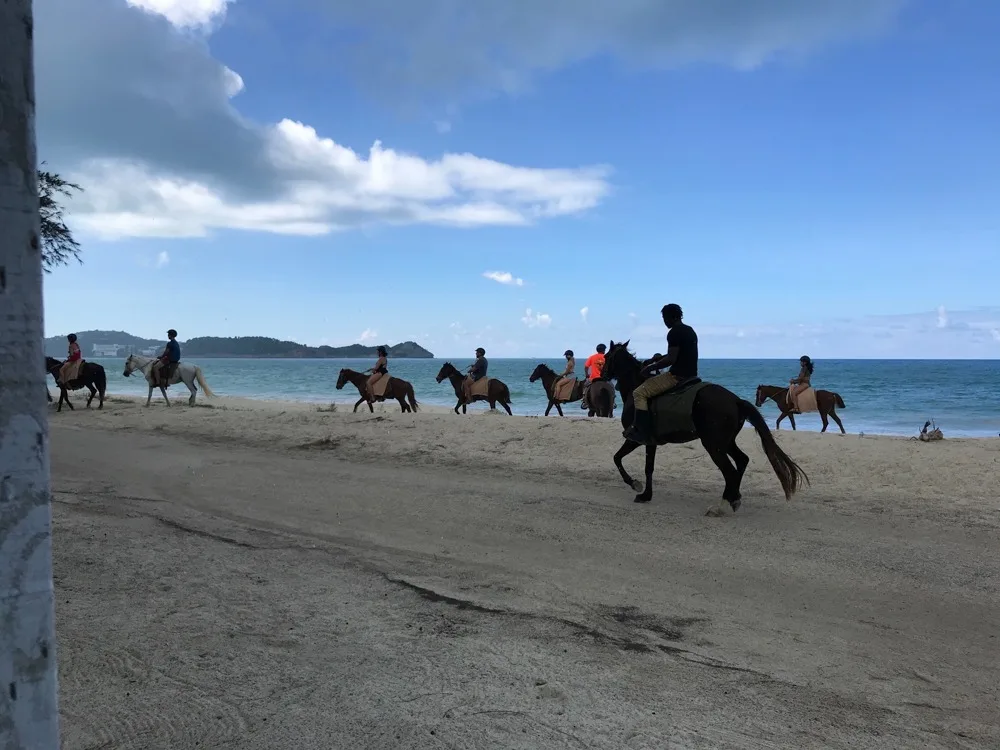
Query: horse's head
52, 364
615, 360
446, 371
538, 372
760, 397
342, 378
130, 365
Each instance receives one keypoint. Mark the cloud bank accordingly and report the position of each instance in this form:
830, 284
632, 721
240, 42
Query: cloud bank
132, 105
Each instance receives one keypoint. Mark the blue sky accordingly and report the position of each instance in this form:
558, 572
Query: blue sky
821, 179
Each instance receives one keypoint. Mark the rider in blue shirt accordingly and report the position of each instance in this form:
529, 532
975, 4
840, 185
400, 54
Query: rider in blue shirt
169, 359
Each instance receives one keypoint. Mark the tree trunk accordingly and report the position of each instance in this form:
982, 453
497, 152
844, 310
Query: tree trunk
28, 710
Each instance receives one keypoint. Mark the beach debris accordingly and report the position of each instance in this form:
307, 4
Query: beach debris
929, 433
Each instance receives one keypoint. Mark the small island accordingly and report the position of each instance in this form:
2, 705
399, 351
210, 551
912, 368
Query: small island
121, 344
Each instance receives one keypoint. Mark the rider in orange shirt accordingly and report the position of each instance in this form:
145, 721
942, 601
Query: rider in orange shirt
592, 368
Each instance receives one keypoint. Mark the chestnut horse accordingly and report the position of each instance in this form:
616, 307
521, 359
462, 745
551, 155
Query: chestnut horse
718, 415
396, 388
499, 393
92, 377
826, 403
602, 395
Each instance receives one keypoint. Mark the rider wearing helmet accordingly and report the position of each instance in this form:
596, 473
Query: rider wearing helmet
567, 372
477, 371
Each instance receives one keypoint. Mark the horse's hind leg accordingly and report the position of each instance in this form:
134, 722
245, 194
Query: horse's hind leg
840, 424
194, 393
730, 473
93, 392
403, 406
742, 461
360, 401
149, 399
826, 422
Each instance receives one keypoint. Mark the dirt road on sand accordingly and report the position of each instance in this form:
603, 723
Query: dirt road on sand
221, 596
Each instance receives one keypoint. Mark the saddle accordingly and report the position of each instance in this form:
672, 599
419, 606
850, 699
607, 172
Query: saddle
480, 388
565, 391
379, 386
671, 412
807, 401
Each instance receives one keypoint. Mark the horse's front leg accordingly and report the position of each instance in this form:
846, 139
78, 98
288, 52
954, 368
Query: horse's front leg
371, 406
164, 392
647, 494
93, 392
149, 398
548, 408
559, 409
194, 393
627, 447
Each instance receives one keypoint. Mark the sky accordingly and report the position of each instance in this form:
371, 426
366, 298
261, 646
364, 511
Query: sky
816, 178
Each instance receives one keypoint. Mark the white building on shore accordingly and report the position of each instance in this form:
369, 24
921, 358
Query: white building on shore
106, 350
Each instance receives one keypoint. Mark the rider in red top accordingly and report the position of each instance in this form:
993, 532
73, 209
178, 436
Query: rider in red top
70, 369
592, 368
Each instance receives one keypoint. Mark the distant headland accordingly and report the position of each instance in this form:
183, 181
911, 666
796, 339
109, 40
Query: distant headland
121, 344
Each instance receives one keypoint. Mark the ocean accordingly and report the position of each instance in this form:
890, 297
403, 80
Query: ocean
891, 397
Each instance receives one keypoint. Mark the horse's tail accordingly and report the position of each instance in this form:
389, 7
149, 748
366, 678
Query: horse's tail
101, 380
504, 394
201, 382
789, 473
412, 398
840, 401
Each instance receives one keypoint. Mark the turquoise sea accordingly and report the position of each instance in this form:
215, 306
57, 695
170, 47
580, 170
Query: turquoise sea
883, 397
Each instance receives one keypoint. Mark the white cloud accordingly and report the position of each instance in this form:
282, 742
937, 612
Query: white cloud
942, 317
536, 320
995, 333
162, 259
185, 13
139, 113
442, 126
504, 277
584, 312
368, 335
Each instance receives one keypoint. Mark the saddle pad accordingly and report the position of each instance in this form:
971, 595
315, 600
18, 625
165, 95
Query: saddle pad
671, 413
807, 400
565, 391
380, 385
481, 388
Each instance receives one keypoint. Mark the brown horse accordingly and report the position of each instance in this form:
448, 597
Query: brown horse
826, 402
602, 396
718, 415
499, 393
396, 388
92, 377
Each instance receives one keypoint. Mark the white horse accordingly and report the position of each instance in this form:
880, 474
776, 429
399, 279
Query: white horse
183, 373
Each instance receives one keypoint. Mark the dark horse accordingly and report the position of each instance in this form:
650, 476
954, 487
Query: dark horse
826, 402
92, 377
602, 394
718, 415
499, 393
396, 388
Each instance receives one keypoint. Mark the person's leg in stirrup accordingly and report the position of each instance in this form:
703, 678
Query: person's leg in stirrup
641, 430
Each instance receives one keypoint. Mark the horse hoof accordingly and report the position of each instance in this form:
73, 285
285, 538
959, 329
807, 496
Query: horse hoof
636, 485
642, 498
735, 504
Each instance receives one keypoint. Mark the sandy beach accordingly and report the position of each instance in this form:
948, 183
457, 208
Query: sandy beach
251, 574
